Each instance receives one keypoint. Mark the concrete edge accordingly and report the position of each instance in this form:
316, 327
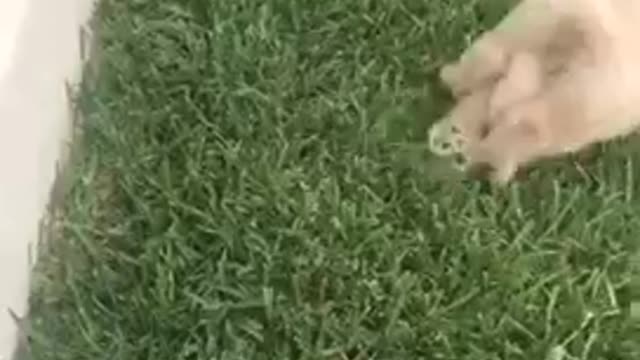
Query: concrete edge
70, 151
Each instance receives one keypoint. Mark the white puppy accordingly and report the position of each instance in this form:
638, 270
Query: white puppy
589, 88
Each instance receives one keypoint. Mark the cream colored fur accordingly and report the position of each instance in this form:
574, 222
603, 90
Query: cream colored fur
579, 85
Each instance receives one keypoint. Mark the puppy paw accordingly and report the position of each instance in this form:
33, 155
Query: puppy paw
445, 139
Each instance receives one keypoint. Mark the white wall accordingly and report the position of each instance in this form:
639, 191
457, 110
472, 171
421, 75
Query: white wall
39, 54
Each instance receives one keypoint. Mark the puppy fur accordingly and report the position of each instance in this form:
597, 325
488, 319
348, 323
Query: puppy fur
585, 87
477, 112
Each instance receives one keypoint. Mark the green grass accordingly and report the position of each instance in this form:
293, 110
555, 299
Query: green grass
254, 185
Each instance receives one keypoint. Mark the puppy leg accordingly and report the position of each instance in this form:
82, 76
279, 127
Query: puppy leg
483, 63
522, 80
529, 26
517, 139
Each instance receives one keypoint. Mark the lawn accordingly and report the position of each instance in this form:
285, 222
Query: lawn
254, 184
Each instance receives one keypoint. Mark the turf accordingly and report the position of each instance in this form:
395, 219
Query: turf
254, 185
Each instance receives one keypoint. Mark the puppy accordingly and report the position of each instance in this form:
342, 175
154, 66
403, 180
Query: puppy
595, 96
528, 28
498, 69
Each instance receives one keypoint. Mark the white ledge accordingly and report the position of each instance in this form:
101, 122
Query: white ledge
39, 56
